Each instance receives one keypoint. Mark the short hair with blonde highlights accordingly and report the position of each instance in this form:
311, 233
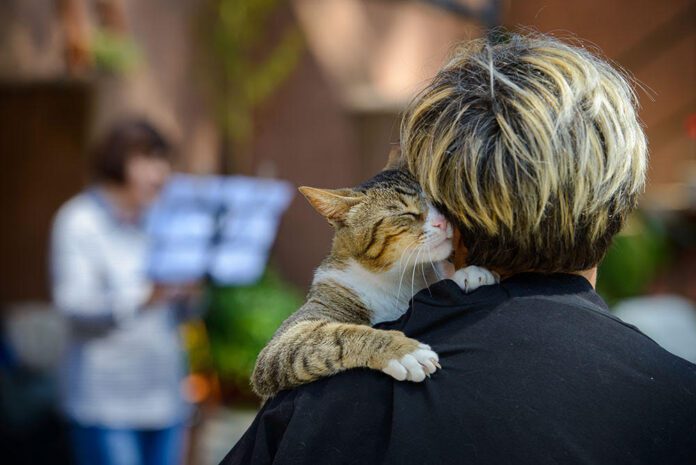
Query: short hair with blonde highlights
533, 148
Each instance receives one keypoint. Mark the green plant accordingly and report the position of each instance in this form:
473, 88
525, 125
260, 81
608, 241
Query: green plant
636, 256
244, 62
241, 320
115, 53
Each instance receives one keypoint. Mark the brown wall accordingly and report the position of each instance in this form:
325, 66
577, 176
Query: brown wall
310, 140
42, 127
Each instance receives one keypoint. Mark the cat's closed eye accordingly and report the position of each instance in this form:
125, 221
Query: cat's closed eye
411, 215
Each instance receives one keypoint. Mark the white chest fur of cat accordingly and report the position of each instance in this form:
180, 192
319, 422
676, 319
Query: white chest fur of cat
386, 294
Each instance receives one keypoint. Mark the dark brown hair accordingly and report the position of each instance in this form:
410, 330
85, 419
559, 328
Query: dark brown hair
126, 139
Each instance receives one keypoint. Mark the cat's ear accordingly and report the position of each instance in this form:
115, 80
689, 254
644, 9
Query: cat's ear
395, 161
332, 204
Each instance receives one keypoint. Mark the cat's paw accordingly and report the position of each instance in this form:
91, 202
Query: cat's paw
473, 277
414, 366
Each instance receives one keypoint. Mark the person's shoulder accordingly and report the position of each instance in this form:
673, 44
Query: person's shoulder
80, 213
358, 396
585, 321
355, 389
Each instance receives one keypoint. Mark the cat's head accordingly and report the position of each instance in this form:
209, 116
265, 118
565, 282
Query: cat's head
385, 223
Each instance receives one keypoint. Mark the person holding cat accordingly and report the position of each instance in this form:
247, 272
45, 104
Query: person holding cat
532, 150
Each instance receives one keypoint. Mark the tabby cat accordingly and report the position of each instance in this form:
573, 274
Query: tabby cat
389, 241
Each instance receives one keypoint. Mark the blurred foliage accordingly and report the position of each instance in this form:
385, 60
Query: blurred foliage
245, 61
635, 258
114, 52
241, 320
194, 335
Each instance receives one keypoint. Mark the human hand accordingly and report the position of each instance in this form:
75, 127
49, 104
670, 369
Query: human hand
171, 293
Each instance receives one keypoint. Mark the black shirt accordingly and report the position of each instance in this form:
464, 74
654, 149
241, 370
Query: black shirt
535, 371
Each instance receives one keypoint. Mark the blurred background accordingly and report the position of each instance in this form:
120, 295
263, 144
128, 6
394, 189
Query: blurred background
307, 91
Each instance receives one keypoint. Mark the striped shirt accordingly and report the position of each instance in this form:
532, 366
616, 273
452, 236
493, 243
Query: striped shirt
124, 364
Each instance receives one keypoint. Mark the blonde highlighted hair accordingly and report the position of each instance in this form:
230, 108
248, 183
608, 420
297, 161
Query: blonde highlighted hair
533, 148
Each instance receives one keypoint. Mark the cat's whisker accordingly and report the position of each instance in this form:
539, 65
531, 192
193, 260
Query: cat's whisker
410, 244
403, 271
424, 278
405, 267
413, 273
437, 272
406, 249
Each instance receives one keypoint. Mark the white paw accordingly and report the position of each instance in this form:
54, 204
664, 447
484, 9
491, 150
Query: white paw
415, 366
473, 277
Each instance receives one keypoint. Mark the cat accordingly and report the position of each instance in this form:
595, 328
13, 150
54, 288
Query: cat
389, 241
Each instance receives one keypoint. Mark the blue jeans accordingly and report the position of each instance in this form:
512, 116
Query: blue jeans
107, 446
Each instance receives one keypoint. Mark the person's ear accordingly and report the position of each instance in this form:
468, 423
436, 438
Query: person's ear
332, 204
395, 161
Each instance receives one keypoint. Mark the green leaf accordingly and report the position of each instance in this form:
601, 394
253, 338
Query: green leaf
114, 52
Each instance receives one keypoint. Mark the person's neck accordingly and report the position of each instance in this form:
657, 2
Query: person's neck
122, 200
590, 275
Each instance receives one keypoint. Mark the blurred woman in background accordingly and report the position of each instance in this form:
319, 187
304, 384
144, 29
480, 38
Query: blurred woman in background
123, 370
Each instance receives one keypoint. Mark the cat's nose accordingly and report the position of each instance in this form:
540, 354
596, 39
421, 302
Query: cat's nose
440, 222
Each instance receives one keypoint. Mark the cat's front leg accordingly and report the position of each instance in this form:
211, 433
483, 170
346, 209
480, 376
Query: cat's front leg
312, 349
473, 277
